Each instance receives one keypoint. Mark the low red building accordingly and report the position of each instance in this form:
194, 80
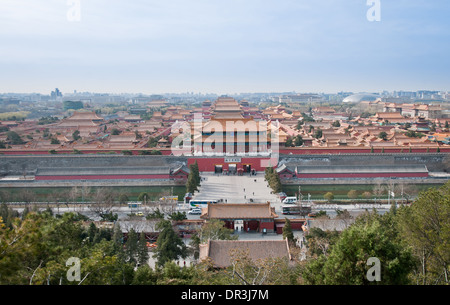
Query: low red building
296, 224
249, 217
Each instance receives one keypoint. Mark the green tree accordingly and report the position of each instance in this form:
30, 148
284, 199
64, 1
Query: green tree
144, 197
382, 135
426, 228
191, 184
195, 172
115, 132
8, 214
329, 196
307, 118
123, 198
319, 242
289, 142
367, 195
13, 138
169, 245
212, 230
273, 179
142, 250
298, 140
76, 135
371, 236
178, 216
352, 194
117, 236
131, 247
152, 142
75, 105
145, 275
155, 214
92, 231
287, 231
318, 133
194, 179
35, 250
269, 271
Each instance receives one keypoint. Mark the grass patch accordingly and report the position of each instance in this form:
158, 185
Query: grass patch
43, 194
340, 191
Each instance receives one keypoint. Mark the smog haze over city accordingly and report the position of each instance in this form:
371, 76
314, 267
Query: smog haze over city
223, 47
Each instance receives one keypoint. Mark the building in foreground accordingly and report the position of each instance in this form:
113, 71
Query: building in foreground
218, 251
249, 217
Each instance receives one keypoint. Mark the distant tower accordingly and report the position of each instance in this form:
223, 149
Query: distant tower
55, 94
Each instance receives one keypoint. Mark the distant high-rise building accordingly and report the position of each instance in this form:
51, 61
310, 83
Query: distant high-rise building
55, 94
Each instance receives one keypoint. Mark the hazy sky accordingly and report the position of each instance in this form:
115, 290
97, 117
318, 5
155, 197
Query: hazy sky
224, 46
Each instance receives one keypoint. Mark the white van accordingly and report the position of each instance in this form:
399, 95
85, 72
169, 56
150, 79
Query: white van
289, 200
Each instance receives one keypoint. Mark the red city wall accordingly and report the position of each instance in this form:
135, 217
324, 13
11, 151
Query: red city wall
269, 226
284, 151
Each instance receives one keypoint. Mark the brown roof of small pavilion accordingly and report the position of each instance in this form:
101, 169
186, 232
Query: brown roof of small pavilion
219, 251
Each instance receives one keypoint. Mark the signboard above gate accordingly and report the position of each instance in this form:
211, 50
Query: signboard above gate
232, 160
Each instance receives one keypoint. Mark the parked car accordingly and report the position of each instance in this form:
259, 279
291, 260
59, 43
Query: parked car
196, 211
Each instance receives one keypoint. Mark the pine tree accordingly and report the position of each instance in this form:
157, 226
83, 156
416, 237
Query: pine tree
194, 179
287, 231
92, 231
142, 250
117, 234
169, 245
131, 246
191, 185
298, 140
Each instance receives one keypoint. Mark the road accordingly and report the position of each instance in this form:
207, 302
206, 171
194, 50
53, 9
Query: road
231, 189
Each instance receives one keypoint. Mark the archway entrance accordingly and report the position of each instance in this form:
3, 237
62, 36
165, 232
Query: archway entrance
247, 168
218, 169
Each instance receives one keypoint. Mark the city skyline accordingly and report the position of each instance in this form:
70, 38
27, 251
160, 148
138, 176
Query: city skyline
155, 47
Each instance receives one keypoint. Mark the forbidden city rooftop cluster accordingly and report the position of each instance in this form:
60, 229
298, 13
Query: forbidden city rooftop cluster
150, 127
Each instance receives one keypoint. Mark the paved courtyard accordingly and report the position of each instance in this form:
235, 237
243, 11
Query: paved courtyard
236, 189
